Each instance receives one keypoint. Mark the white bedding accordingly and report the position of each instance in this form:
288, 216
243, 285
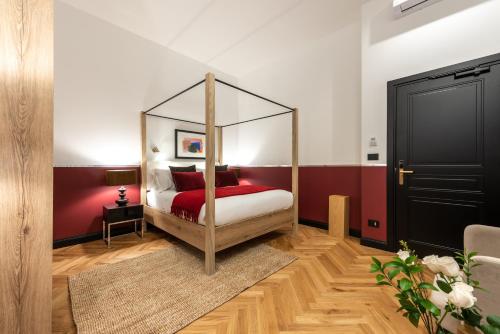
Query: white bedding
230, 209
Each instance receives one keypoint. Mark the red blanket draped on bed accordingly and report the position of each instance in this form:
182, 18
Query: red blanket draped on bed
187, 205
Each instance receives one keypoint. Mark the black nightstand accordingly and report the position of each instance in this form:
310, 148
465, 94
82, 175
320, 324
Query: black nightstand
115, 215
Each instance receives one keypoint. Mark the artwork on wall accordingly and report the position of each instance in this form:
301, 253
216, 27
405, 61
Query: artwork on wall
189, 145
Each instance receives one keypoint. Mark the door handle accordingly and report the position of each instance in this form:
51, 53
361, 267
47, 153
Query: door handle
402, 173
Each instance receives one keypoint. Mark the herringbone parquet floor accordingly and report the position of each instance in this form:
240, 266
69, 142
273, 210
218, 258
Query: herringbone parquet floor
327, 290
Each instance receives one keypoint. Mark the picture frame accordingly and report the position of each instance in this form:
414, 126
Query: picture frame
190, 145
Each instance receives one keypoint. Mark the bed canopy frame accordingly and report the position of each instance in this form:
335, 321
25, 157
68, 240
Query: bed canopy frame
210, 238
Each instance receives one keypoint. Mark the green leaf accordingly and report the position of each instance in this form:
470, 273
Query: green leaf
472, 254
425, 285
429, 306
393, 264
416, 269
488, 329
444, 286
411, 259
414, 318
407, 305
401, 295
374, 268
384, 283
493, 320
380, 277
393, 273
405, 284
472, 317
376, 261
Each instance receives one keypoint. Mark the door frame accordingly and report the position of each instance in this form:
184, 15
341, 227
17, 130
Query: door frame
392, 86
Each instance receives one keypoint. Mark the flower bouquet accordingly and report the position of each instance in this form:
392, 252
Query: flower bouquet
450, 293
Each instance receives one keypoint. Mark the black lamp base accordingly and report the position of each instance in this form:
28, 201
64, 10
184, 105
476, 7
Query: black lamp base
122, 201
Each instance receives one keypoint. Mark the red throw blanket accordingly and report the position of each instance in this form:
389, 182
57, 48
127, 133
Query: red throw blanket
187, 205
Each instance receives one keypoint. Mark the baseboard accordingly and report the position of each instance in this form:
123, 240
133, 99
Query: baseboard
323, 226
313, 223
79, 239
375, 244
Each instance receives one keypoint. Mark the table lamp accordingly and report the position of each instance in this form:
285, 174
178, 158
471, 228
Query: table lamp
121, 178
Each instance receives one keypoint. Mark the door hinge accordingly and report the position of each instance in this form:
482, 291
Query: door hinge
475, 72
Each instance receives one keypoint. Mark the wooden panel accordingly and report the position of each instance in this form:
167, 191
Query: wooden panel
210, 174
338, 216
192, 233
233, 234
26, 120
295, 168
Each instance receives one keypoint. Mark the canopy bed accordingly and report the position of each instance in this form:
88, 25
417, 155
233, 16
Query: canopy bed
209, 232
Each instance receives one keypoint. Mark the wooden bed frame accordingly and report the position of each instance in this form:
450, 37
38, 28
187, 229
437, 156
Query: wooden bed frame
210, 238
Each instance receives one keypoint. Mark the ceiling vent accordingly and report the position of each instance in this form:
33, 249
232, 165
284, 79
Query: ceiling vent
405, 7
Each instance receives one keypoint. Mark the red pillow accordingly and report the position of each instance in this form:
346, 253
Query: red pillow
225, 179
185, 181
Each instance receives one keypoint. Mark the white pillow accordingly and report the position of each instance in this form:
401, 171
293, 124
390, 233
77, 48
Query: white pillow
163, 179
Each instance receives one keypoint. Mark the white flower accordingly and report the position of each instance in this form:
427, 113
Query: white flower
449, 266
439, 298
431, 262
446, 265
461, 295
403, 255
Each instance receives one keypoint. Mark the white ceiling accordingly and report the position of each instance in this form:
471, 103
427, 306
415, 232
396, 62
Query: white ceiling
234, 36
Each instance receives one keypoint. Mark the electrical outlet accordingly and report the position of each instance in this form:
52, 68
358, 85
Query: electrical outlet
373, 223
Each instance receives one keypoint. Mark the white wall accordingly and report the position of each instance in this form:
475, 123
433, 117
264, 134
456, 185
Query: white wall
104, 77
323, 81
446, 33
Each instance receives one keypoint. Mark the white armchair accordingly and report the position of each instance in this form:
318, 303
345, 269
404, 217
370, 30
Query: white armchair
486, 241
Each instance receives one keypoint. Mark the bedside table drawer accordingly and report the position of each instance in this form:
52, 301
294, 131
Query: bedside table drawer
122, 213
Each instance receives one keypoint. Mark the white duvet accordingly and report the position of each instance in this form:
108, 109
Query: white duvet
230, 209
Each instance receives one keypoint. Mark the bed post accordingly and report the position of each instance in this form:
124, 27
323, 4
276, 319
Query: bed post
219, 145
295, 168
210, 174
144, 160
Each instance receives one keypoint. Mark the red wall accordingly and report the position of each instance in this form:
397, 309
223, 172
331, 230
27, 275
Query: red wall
374, 201
79, 194
316, 183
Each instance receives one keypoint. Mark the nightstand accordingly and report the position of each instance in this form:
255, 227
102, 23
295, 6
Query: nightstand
115, 215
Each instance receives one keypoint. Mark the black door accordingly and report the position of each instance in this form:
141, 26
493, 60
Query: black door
446, 155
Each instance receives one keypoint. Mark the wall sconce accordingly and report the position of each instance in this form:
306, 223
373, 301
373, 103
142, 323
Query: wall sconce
155, 149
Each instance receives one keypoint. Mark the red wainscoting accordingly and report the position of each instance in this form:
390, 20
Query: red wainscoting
374, 201
316, 183
79, 194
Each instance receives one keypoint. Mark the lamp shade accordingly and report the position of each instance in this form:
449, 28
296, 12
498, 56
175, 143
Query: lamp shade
121, 177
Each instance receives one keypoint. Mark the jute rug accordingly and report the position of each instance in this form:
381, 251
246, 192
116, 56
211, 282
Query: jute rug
164, 291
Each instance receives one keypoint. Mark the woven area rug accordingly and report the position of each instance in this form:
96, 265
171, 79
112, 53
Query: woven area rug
164, 291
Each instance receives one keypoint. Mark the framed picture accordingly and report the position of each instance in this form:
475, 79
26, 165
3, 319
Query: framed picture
189, 145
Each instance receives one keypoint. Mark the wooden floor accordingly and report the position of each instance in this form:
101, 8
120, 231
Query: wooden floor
327, 290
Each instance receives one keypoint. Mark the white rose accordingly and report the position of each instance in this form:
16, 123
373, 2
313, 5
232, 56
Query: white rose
403, 255
431, 262
449, 266
461, 295
439, 298
446, 265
